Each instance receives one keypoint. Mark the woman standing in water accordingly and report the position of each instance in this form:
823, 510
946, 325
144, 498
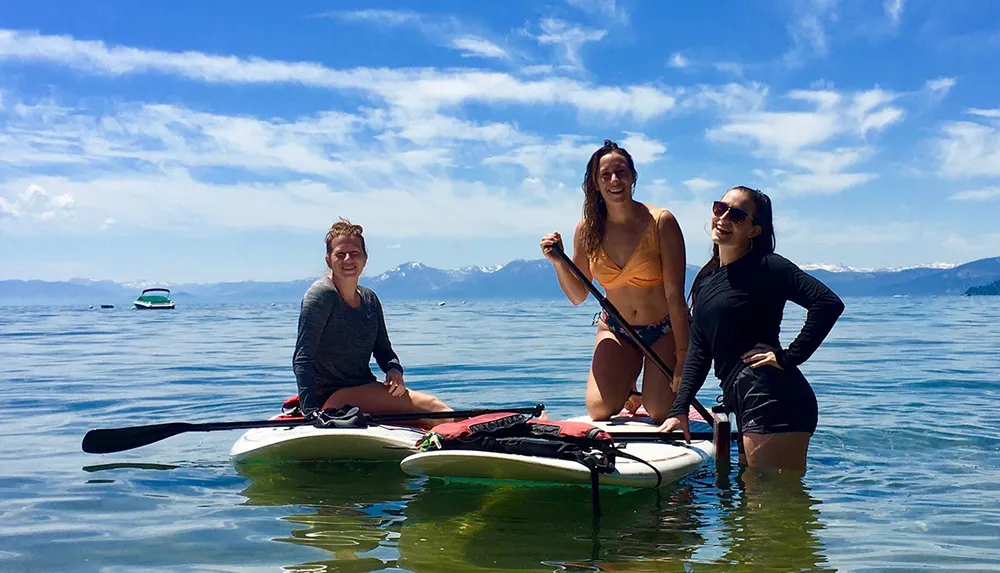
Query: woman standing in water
738, 299
636, 252
341, 326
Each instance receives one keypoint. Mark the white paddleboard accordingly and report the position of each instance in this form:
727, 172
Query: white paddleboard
673, 460
309, 443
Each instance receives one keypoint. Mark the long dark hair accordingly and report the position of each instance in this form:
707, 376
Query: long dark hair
595, 210
762, 244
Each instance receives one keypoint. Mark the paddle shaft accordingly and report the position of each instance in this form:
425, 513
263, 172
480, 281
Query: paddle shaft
632, 334
104, 441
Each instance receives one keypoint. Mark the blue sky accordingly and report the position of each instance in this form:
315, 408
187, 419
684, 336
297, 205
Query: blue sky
207, 141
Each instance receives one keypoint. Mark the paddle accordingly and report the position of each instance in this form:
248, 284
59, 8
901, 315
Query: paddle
105, 441
610, 309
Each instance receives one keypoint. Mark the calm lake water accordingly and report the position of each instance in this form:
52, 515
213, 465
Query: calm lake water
903, 471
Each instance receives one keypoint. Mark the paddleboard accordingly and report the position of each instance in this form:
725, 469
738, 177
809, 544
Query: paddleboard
309, 443
673, 460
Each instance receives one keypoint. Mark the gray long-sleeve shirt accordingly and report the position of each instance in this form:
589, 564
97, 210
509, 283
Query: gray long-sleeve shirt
335, 343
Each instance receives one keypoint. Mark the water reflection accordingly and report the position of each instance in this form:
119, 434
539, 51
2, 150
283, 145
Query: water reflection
372, 516
768, 522
455, 526
351, 510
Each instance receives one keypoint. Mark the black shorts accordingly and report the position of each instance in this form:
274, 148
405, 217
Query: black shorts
766, 400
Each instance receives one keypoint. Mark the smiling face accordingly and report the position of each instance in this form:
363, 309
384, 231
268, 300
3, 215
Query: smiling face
614, 178
732, 219
347, 257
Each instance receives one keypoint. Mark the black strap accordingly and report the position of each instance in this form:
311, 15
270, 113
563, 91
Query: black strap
595, 489
624, 454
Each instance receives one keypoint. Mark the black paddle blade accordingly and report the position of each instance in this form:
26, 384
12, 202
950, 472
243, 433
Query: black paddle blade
121, 439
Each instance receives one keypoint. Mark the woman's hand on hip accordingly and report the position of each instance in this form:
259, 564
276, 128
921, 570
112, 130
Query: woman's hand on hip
762, 355
394, 380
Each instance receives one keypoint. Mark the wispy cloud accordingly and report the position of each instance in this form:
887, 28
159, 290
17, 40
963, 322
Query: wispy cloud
166, 167
643, 149
970, 148
419, 89
939, 87
472, 46
607, 9
986, 194
569, 38
992, 113
677, 60
389, 18
894, 10
807, 29
700, 184
802, 142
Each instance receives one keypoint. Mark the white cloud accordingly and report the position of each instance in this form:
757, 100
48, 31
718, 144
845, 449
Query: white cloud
604, 8
986, 194
569, 37
700, 184
643, 149
389, 18
804, 139
993, 113
939, 87
894, 10
473, 46
419, 89
734, 68
425, 207
678, 60
541, 158
969, 149
807, 29
35, 204
729, 98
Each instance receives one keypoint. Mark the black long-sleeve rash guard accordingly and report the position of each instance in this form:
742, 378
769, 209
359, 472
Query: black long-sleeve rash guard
740, 305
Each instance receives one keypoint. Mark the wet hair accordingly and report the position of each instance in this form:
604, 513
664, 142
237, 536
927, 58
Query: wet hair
344, 228
595, 210
762, 244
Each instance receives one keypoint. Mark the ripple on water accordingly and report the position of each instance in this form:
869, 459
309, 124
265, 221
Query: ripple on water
902, 469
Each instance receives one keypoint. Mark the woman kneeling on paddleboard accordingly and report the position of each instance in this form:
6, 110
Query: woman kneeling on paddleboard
341, 326
737, 300
636, 252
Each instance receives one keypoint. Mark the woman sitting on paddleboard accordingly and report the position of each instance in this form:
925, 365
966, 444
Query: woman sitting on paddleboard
636, 252
341, 326
737, 301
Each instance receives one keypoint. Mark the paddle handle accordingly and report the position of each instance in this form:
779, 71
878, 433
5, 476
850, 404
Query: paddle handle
632, 334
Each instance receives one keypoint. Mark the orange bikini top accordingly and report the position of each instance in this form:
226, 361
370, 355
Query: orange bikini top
642, 269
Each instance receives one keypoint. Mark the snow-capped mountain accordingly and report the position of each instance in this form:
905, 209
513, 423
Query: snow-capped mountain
518, 279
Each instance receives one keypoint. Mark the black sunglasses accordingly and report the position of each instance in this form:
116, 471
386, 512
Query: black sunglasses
736, 215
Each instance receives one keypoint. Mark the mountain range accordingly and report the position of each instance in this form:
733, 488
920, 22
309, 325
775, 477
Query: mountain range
519, 279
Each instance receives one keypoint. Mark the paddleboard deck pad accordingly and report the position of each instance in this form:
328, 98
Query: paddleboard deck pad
309, 443
658, 463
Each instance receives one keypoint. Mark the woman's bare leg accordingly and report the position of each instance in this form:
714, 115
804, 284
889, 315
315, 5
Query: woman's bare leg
613, 370
374, 398
785, 451
657, 395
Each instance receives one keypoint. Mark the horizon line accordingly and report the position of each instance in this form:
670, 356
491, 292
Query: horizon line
829, 267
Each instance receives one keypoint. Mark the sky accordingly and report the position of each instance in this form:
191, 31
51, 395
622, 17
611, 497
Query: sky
214, 141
